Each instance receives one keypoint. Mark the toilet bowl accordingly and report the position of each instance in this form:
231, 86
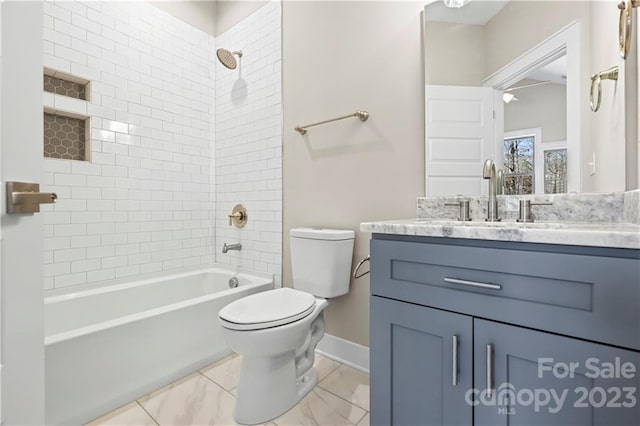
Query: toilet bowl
277, 331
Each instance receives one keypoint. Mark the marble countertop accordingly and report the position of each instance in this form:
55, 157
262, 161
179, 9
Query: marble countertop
596, 234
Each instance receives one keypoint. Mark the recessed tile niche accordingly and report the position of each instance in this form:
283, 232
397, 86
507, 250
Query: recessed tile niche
63, 87
65, 137
66, 133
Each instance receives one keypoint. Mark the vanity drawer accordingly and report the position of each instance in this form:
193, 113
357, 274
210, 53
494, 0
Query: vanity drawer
589, 296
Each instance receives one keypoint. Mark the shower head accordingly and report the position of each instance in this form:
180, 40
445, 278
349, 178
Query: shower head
226, 58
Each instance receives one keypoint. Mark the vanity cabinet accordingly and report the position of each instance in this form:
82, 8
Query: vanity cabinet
414, 350
559, 325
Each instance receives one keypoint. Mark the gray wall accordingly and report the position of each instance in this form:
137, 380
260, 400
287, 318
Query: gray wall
339, 57
459, 61
542, 106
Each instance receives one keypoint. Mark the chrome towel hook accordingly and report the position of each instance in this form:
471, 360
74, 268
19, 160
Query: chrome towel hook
596, 80
355, 271
625, 26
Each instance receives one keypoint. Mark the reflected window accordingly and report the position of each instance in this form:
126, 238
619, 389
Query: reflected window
555, 171
518, 160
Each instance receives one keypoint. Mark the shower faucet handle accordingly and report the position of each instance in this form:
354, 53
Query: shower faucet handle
238, 216
235, 216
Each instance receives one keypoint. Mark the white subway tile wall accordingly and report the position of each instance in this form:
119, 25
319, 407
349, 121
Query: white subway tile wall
146, 202
248, 149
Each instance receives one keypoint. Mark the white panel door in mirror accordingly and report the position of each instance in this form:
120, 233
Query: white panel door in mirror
459, 131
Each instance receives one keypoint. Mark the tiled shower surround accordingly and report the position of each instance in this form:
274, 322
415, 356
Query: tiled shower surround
147, 200
248, 155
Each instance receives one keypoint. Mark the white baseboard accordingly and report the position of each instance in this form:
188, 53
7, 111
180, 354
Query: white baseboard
344, 351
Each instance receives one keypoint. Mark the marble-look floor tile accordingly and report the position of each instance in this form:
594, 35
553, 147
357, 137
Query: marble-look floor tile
193, 400
225, 372
320, 407
129, 415
349, 384
364, 421
324, 366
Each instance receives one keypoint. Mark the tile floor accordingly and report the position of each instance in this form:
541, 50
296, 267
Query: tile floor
208, 396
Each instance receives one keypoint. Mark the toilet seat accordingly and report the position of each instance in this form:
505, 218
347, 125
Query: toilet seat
267, 309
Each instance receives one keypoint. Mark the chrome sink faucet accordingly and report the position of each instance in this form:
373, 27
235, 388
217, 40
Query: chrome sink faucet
489, 172
226, 247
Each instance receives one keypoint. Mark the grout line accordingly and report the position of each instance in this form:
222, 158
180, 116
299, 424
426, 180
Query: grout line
149, 414
217, 384
331, 372
333, 393
363, 416
346, 400
316, 355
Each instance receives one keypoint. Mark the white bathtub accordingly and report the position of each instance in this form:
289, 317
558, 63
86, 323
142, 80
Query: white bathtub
108, 346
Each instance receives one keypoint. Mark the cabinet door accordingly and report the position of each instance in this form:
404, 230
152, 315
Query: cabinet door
573, 382
413, 381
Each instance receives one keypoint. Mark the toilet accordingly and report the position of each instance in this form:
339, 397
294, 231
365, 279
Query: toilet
277, 331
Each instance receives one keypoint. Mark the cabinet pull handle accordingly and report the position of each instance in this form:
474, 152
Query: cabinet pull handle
454, 372
489, 370
488, 286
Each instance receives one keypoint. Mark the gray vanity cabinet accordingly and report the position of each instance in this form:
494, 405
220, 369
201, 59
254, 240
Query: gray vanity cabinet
518, 312
581, 394
422, 363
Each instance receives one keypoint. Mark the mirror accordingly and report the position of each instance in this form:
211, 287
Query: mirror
509, 80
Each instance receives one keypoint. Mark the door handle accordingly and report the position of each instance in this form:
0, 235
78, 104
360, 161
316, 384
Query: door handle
454, 354
489, 370
25, 197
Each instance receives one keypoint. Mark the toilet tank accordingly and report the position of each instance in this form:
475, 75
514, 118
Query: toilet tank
321, 260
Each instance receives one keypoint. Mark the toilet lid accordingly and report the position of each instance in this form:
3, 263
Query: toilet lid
267, 309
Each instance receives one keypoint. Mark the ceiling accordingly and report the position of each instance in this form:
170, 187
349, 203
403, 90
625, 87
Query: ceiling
555, 72
474, 13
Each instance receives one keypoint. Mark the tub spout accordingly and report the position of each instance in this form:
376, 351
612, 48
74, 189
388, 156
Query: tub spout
226, 247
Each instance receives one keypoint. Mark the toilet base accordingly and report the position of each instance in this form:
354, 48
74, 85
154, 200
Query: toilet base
263, 397
271, 385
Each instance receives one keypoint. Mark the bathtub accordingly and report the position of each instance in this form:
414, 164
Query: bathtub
108, 346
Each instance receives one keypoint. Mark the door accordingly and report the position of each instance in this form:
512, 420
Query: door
414, 351
21, 152
553, 380
459, 137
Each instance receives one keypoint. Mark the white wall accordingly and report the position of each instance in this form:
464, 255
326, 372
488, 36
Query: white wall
248, 153
145, 202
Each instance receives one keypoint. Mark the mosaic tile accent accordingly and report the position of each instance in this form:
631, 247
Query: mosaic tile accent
65, 88
64, 137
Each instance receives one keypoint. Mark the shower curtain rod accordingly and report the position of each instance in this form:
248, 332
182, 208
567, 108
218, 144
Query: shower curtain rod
362, 115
